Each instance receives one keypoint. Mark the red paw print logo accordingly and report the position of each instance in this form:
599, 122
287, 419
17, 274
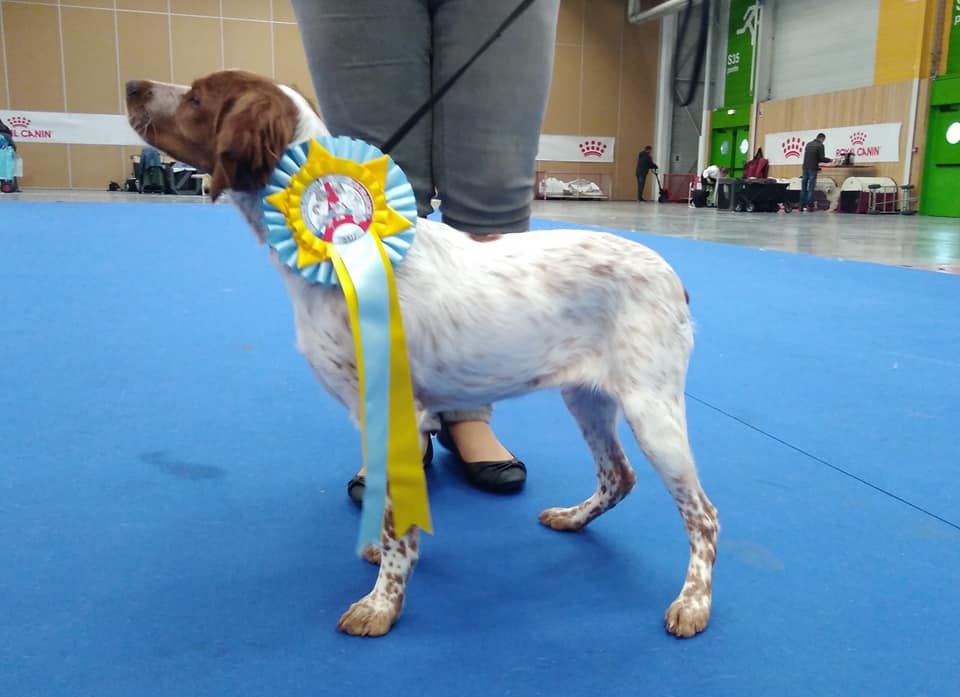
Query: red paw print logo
19, 121
858, 138
592, 148
792, 147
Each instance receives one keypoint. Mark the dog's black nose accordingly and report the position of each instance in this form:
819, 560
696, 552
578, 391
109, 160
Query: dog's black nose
133, 88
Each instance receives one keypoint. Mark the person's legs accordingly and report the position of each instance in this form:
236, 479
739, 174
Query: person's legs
808, 183
369, 84
486, 130
710, 184
486, 133
489, 184
641, 184
370, 64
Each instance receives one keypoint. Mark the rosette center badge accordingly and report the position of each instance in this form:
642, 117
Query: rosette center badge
337, 208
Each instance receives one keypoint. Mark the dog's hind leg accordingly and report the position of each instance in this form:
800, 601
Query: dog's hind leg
375, 613
596, 413
658, 420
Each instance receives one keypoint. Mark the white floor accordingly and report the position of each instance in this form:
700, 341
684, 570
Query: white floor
915, 241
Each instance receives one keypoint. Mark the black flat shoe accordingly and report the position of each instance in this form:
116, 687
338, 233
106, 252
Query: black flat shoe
499, 476
358, 485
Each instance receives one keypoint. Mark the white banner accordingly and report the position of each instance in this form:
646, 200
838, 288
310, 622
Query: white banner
875, 142
576, 148
113, 129
79, 129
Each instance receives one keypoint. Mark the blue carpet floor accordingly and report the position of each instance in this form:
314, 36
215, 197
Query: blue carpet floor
166, 529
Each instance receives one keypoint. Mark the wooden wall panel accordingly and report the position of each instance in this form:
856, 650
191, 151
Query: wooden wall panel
247, 9
32, 34
44, 165
90, 61
283, 11
563, 105
603, 22
144, 47
600, 93
196, 47
204, 8
3, 70
570, 22
638, 104
604, 84
246, 46
145, 5
95, 166
877, 104
291, 63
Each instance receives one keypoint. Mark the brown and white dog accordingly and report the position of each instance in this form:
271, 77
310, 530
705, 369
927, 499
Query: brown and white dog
598, 316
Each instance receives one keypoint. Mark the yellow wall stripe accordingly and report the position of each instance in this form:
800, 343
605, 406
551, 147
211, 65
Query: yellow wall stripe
904, 36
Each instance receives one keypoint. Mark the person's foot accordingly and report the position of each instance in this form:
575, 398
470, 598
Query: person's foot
357, 486
486, 463
474, 441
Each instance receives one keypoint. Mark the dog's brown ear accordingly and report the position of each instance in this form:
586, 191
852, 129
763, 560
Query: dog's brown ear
252, 135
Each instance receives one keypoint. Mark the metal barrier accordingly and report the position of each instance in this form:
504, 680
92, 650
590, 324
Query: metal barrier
886, 199
907, 199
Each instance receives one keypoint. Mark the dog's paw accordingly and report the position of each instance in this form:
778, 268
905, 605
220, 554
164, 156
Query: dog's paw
372, 554
687, 616
563, 519
372, 615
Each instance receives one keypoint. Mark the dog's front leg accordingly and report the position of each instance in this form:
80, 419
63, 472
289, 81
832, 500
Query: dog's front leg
375, 613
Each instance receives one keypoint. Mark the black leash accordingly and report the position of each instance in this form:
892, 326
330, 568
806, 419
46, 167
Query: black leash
414, 119
701, 50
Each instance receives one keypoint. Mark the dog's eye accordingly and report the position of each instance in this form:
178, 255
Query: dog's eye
193, 101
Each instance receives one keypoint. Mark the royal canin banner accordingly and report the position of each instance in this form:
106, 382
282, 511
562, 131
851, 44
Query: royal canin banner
78, 129
875, 142
576, 148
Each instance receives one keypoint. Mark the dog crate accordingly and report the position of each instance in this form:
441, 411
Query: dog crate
869, 195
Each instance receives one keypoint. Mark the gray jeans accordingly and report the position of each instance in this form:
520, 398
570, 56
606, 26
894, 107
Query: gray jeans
373, 62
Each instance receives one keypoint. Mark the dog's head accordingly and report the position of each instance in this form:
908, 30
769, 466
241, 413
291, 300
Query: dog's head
232, 124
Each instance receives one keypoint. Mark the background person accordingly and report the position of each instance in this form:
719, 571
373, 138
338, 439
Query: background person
813, 156
644, 164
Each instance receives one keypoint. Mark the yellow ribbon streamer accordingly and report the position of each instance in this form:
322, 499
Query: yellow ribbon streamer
408, 485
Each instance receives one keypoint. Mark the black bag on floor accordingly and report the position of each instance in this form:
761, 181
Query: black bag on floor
154, 180
699, 198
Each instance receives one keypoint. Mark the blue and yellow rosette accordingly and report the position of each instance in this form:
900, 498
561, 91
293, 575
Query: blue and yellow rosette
341, 213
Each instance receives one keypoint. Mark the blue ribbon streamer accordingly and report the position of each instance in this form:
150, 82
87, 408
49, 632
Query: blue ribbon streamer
364, 266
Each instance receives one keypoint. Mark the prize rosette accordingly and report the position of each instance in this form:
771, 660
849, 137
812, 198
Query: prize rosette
341, 213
